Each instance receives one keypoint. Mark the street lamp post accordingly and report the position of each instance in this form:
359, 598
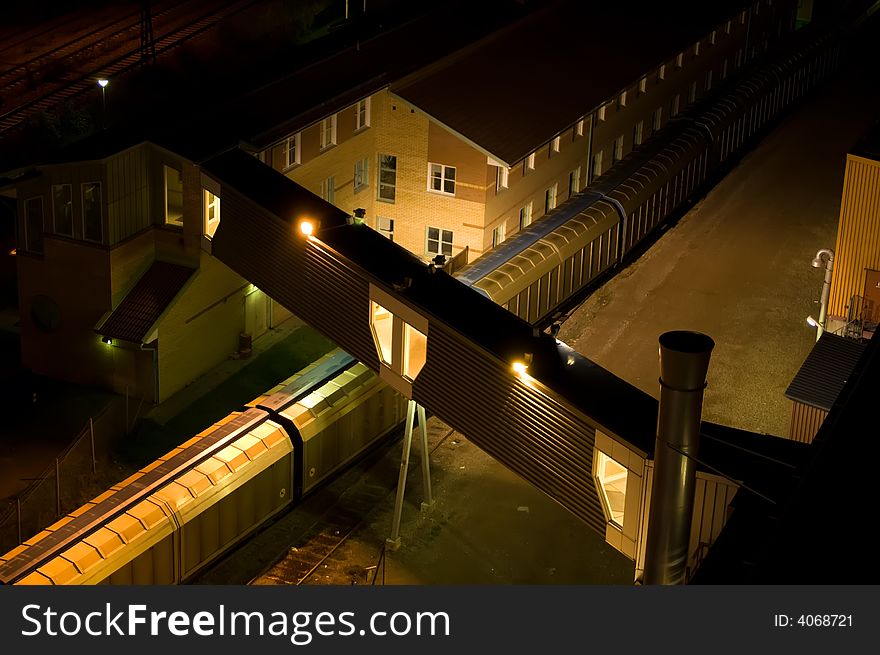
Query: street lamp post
103, 82
824, 257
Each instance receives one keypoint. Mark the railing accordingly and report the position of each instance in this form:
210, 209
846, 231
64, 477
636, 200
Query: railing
75, 475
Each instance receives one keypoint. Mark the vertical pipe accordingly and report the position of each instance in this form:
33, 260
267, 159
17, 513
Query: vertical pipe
57, 486
426, 464
684, 362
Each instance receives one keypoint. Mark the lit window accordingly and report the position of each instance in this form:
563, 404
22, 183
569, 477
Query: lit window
637, 133
712, 38
525, 216
385, 227
382, 322
173, 196
601, 113
361, 174
554, 145
498, 235
529, 163
415, 351
328, 189
643, 85
621, 100
611, 477
728, 26
661, 72
362, 114
574, 181
62, 209
328, 132
212, 212
93, 228
291, 151
617, 154
597, 165
697, 49
550, 199
579, 128
501, 177
33, 224
679, 60
441, 179
439, 241
742, 18
387, 177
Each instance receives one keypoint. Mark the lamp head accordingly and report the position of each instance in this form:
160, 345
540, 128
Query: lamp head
103, 82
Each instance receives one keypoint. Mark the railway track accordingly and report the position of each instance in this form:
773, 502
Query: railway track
302, 563
174, 29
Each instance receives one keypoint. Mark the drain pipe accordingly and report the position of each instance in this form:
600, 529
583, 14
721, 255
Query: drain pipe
684, 362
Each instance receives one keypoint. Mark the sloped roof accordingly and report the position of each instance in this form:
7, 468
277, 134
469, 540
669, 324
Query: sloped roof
141, 308
825, 370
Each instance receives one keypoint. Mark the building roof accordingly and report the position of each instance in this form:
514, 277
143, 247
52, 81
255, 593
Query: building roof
825, 370
141, 308
518, 88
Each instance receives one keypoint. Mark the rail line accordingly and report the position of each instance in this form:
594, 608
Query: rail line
332, 530
114, 65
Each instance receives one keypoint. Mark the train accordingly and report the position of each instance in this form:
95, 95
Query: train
555, 261
178, 514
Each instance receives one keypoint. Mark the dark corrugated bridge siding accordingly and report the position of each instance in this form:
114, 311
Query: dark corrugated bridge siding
543, 431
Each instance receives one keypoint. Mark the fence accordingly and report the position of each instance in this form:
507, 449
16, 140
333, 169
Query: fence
77, 474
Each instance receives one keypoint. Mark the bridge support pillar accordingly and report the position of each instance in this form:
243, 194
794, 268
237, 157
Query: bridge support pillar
413, 408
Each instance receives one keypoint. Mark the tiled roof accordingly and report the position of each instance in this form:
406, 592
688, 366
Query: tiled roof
825, 370
141, 308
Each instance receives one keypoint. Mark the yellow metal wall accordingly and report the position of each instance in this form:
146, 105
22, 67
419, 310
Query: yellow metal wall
805, 422
858, 233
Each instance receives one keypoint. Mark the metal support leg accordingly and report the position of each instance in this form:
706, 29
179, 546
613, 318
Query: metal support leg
428, 503
393, 542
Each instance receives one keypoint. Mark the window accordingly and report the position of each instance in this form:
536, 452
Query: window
724, 69
415, 351
62, 209
742, 18
679, 60
617, 154
657, 119
728, 26
328, 189
697, 49
612, 481
708, 80
292, 151
597, 165
401, 346
554, 145
579, 128
692, 92
643, 85
676, 101
601, 113
739, 58
33, 224
173, 196
637, 133
361, 174
712, 38
93, 229
574, 181
362, 114
441, 179
501, 176
529, 163
382, 323
550, 199
439, 241
621, 100
498, 235
212, 212
328, 132
525, 216
661, 73
385, 227
387, 177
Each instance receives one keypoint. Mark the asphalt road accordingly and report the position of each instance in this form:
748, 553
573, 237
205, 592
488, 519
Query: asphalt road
737, 267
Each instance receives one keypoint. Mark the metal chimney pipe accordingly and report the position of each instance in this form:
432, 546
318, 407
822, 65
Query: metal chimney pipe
684, 362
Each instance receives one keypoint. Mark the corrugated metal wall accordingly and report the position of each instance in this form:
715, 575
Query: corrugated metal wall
528, 429
858, 233
805, 422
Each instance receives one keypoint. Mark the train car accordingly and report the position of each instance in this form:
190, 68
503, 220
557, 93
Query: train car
181, 512
553, 260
